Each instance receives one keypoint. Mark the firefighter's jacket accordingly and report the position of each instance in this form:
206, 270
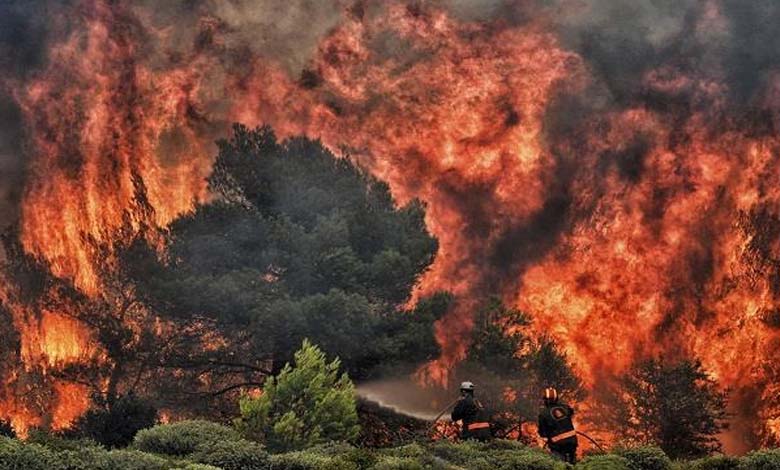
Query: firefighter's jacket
556, 426
474, 417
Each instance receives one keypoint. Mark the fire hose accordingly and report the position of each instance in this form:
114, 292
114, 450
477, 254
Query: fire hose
591, 440
580, 433
450, 405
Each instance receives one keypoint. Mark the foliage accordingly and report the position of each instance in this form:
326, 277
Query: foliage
182, 438
676, 406
15, 455
57, 441
304, 405
646, 458
134, 460
716, 462
605, 462
116, 425
768, 459
197, 466
301, 244
233, 455
230, 454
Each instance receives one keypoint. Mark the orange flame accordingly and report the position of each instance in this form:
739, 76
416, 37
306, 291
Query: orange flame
639, 231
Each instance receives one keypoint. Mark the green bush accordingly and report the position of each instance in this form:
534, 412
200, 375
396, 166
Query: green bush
363, 458
233, 455
197, 466
604, 462
523, 460
87, 458
308, 460
466, 454
399, 463
408, 451
761, 460
134, 460
57, 442
182, 438
717, 462
15, 455
304, 405
645, 458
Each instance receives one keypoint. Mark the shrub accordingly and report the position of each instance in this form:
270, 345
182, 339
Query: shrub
523, 460
761, 460
305, 405
15, 455
645, 458
399, 463
233, 455
363, 458
88, 458
604, 462
182, 438
465, 454
115, 426
718, 462
58, 442
307, 460
197, 466
97, 458
134, 460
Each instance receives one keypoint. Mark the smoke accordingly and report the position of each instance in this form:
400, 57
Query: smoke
598, 163
406, 396
23, 39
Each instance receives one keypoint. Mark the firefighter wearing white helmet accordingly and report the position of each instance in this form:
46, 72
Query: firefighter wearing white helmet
472, 415
556, 426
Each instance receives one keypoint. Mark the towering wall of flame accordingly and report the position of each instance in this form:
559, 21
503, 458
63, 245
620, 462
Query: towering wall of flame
631, 206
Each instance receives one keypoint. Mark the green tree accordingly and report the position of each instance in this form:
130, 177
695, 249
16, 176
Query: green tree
303, 406
676, 406
116, 425
299, 243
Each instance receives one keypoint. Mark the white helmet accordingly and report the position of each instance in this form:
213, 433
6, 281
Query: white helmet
468, 386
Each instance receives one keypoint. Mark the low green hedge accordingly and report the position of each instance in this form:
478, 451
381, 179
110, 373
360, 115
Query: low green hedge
761, 460
194, 445
182, 438
15, 455
716, 462
645, 458
309, 460
604, 462
233, 455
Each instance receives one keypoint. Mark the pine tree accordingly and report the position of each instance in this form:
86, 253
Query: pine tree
676, 406
304, 405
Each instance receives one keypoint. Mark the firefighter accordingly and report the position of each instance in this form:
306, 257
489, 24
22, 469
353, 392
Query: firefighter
470, 412
556, 426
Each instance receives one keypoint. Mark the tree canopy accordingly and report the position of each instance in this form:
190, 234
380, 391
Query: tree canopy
675, 405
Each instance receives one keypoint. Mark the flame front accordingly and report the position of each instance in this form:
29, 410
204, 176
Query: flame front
625, 229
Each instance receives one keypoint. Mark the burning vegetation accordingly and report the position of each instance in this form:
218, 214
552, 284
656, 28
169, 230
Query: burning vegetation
599, 177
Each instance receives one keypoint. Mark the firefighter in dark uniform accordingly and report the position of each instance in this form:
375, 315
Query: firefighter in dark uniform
470, 412
556, 426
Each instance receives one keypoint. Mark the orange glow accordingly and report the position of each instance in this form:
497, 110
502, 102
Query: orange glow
677, 256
